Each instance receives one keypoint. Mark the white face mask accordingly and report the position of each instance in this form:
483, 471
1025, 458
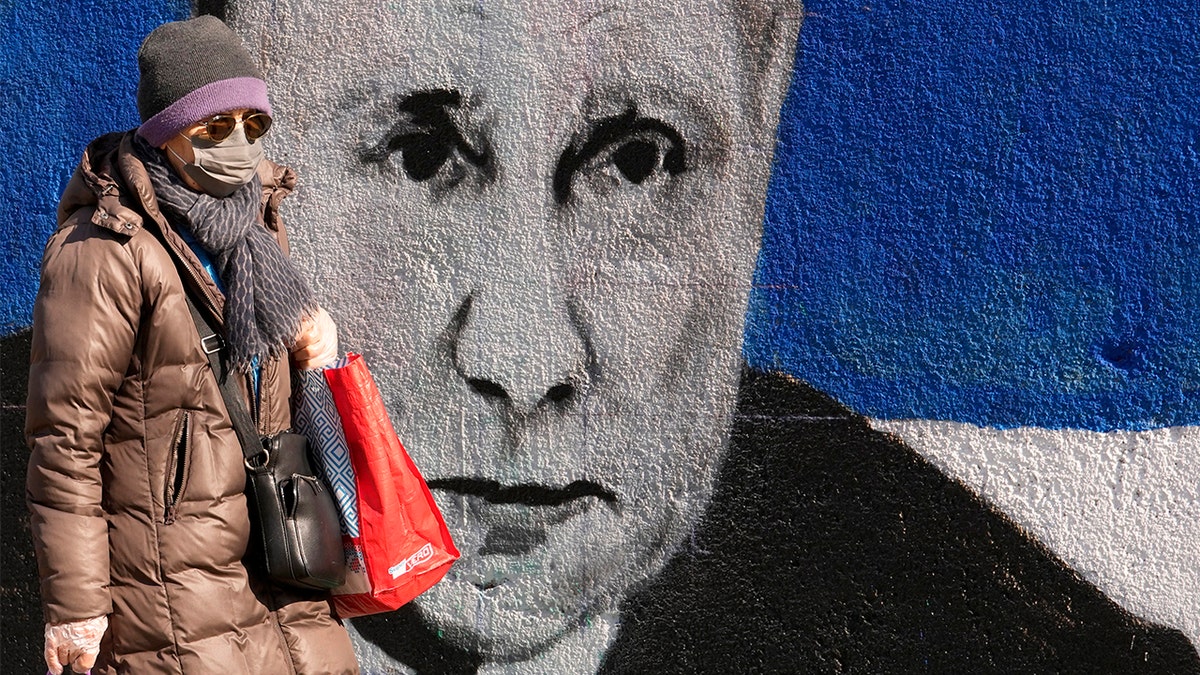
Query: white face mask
222, 168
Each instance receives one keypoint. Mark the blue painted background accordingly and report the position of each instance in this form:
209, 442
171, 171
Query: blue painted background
69, 73
982, 210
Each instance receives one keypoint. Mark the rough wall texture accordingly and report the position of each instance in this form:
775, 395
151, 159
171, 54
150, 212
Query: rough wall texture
566, 241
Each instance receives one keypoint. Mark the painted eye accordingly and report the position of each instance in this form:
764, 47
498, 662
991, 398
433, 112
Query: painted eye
423, 154
427, 142
636, 160
639, 158
637, 147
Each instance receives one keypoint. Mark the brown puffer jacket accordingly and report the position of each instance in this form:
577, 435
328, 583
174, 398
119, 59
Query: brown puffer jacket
135, 481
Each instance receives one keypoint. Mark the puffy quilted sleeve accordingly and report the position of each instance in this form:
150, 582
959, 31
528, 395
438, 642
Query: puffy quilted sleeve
84, 325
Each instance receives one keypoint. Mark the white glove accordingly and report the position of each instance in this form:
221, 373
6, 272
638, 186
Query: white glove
316, 346
76, 643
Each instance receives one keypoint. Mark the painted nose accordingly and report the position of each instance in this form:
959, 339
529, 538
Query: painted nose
520, 344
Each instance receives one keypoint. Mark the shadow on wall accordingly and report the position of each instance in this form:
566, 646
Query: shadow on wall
20, 612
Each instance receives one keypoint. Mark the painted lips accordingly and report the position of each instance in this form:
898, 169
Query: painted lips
516, 517
529, 494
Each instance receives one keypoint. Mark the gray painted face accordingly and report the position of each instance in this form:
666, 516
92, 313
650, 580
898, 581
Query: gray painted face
539, 222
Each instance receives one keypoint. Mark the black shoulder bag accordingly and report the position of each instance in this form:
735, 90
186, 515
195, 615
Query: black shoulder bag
293, 517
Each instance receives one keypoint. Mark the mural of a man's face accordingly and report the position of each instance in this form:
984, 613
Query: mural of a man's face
539, 221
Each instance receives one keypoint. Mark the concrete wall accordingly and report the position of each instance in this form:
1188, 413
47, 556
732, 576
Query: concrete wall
604, 245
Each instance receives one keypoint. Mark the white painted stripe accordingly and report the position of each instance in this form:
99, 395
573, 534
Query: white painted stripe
1121, 508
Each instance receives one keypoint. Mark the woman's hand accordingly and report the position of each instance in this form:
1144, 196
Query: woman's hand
316, 346
76, 643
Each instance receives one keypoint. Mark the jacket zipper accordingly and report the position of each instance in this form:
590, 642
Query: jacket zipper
178, 468
254, 396
195, 276
192, 273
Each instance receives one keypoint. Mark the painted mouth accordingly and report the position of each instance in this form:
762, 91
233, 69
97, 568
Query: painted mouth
529, 494
516, 518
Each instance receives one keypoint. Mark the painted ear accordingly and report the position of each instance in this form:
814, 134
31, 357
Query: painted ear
768, 30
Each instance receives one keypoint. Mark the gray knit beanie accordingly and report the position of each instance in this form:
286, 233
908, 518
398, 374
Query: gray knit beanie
191, 70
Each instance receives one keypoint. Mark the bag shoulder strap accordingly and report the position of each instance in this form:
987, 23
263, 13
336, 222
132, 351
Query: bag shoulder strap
213, 344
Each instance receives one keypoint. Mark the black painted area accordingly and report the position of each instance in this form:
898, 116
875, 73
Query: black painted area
832, 548
529, 494
20, 608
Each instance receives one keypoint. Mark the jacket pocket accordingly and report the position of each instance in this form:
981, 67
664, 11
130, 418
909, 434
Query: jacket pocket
178, 466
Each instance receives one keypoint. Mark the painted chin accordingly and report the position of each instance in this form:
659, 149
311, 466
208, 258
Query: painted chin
527, 555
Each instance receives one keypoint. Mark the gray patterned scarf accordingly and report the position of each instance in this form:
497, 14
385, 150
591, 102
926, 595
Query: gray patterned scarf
265, 297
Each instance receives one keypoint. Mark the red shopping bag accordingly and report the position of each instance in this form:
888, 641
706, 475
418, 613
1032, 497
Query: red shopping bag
403, 547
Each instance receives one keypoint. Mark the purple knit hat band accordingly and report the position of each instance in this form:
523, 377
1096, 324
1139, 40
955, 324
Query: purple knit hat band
215, 97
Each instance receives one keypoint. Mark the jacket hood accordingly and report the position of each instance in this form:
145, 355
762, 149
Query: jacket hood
96, 183
111, 178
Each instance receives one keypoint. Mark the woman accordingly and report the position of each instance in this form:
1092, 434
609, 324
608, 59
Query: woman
135, 481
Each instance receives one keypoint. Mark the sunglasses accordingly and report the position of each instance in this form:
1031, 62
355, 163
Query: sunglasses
218, 127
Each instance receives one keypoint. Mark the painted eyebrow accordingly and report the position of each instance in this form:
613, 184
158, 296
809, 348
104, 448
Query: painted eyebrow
594, 16
606, 132
427, 117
